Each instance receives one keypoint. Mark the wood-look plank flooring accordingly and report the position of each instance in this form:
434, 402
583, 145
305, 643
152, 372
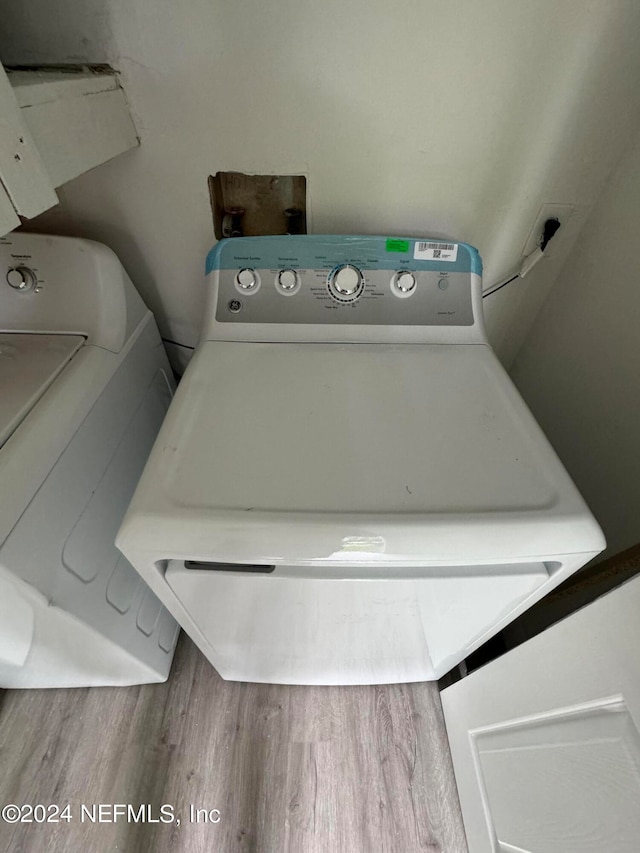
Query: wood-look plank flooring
290, 769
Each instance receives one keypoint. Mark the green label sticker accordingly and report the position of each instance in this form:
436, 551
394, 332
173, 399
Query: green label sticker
397, 245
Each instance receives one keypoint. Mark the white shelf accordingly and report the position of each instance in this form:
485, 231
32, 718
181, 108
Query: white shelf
57, 124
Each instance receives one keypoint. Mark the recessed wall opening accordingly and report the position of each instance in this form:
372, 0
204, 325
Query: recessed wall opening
251, 205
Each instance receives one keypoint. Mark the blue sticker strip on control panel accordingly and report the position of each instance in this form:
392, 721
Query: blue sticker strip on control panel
319, 251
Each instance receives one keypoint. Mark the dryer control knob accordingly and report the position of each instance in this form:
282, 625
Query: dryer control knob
22, 278
405, 282
346, 282
247, 279
287, 280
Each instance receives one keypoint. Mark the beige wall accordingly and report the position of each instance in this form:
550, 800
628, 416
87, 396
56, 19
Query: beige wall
446, 117
579, 368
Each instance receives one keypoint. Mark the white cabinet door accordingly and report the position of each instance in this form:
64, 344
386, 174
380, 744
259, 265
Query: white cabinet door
546, 741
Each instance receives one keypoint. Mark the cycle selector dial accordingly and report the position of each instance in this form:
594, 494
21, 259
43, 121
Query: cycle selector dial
346, 283
22, 278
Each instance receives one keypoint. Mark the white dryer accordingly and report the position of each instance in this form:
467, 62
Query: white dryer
84, 386
348, 489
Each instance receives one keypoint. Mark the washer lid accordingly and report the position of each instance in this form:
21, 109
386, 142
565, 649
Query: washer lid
28, 365
283, 450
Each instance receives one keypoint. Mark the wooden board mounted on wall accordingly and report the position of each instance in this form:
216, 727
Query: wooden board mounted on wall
52, 131
250, 205
25, 187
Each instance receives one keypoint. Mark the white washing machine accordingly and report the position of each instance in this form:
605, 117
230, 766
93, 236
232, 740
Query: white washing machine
84, 387
348, 488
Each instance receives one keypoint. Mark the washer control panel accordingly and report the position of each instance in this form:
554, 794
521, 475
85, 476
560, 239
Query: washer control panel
68, 286
308, 279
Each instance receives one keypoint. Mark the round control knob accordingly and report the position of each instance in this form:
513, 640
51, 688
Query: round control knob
346, 282
247, 279
405, 282
287, 280
22, 278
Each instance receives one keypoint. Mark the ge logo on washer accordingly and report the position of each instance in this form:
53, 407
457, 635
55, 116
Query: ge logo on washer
234, 306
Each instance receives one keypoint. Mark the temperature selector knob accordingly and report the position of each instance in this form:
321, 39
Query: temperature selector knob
288, 281
247, 280
346, 283
403, 283
22, 278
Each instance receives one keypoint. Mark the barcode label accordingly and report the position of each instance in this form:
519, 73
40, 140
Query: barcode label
435, 251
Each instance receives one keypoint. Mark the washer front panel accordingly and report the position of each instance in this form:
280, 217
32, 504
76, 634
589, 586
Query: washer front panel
442, 295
